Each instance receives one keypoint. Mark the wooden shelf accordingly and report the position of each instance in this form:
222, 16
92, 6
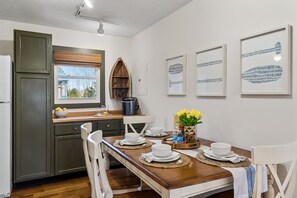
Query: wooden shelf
119, 81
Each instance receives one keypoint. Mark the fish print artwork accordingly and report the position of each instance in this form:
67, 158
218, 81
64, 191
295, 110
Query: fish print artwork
176, 68
263, 74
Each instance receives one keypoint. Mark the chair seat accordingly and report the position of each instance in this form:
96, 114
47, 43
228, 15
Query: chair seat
139, 194
122, 178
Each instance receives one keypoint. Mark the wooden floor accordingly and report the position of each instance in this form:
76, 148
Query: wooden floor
73, 188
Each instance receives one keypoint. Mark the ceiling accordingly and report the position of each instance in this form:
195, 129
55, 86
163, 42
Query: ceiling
133, 15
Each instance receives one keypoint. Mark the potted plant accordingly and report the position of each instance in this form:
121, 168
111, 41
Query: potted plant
189, 119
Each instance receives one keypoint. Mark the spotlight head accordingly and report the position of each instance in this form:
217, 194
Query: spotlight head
100, 30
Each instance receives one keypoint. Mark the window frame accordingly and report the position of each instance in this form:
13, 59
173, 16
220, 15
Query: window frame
87, 104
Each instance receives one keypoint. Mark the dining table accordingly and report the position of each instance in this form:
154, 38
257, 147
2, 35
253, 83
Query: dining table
196, 178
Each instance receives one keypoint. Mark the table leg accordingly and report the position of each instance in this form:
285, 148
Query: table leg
270, 192
106, 159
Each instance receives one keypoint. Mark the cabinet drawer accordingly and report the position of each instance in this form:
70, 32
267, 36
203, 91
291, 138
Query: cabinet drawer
69, 128
109, 125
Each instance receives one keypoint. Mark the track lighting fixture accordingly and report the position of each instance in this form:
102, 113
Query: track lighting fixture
78, 14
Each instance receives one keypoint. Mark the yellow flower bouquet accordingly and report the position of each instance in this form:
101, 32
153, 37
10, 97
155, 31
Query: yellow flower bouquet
189, 117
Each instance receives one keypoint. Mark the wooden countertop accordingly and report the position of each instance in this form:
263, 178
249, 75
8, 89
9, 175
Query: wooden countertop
89, 116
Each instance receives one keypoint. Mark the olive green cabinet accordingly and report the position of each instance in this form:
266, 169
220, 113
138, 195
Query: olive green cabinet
33, 52
33, 151
32, 127
69, 155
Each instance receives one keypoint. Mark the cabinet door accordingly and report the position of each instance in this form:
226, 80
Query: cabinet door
32, 127
33, 52
69, 155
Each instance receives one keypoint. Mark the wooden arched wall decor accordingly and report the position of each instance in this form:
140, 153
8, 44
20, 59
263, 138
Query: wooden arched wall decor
119, 80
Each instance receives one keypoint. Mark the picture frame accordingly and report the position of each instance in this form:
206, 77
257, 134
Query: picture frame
265, 61
211, 72
177, 75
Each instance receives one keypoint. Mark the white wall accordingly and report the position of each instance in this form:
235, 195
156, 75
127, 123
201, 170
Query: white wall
114, 46
241, 121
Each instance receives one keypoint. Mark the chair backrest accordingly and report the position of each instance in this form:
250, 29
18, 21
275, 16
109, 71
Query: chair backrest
100, 181
271, 156
85, 131
130, 120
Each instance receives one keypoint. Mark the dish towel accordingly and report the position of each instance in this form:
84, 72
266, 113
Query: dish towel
243, 178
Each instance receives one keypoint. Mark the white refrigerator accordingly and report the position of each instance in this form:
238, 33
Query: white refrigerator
5, 126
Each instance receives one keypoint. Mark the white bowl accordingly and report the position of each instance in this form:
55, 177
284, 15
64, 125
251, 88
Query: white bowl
132, 137
220, 148
161, 150
156, 130
60, 114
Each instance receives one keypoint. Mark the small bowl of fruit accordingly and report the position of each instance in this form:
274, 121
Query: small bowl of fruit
61, 112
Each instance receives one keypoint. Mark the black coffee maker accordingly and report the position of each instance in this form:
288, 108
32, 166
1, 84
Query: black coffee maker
130, 105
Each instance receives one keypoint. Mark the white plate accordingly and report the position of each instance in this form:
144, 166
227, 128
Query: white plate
216, 158
174, 156
210, 152
149, 134
139, 141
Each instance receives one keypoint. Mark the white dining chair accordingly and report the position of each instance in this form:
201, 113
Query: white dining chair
130, 120
86, 129
100, 181
123, 180
273, 156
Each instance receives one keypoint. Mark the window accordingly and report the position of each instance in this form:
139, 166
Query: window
78, 78
77, 84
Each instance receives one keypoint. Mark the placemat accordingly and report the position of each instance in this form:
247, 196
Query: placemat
182, 161
205, 160
145, 145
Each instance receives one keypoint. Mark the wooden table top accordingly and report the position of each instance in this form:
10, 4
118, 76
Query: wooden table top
194, 173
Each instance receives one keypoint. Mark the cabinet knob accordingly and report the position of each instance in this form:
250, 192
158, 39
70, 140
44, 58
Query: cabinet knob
75, 128
108, 126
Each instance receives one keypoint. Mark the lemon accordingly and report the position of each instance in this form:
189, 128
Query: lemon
58, 108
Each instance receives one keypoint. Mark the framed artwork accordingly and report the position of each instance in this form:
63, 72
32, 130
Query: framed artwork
266, 63
177, 75
211, 71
